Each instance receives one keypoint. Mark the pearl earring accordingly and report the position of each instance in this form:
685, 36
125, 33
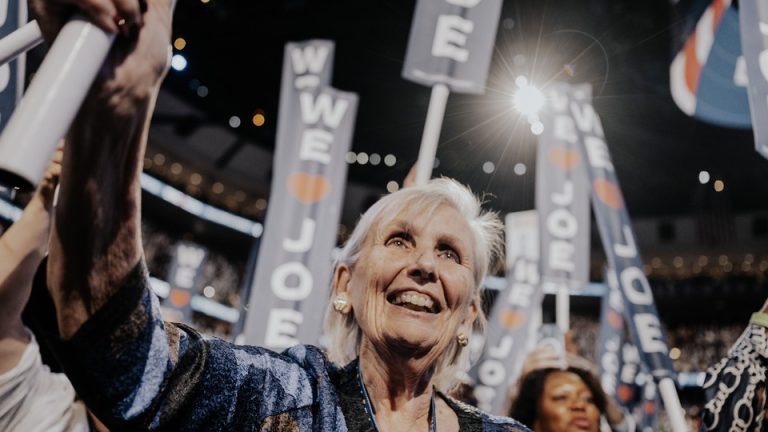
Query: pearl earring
462, 339
341, 304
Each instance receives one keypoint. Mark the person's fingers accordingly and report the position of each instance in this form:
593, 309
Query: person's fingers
410, 179
570, 346
129, 11
103, 13
579, 362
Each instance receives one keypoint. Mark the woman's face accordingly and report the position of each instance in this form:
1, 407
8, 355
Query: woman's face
566, 405
412, 286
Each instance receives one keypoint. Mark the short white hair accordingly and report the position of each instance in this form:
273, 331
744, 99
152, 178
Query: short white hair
343, 334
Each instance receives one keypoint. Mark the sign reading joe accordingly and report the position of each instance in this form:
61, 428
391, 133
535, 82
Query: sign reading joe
451, 43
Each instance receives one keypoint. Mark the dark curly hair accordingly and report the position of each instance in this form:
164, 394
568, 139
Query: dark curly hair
530, 388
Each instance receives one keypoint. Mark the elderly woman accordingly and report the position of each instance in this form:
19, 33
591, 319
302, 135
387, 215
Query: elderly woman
405, 296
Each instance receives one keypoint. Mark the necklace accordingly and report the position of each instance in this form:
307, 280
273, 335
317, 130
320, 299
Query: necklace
371, 412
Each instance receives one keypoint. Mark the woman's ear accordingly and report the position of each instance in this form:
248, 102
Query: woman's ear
341, 277
469, 320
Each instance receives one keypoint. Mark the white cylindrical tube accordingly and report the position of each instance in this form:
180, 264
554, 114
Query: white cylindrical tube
25, 38
563, 307
431, 135
51, 101
672, 405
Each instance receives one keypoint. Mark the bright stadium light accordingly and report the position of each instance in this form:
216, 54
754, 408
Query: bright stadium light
528, 100
178, 62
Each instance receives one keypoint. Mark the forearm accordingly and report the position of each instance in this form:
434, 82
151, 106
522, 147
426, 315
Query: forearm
96, 237
22, 248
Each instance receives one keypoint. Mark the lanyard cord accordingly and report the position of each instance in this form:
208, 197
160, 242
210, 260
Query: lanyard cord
370, 411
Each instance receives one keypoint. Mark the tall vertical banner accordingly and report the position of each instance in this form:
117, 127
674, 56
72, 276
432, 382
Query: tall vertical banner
616, 231
513, 320
619, 368
753, 17
610, 343
621, 248
184, 278
648, 415
13, 14
451, 43
562, 200
293, 270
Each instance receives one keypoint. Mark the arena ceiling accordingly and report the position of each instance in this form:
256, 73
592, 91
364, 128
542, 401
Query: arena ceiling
234, 55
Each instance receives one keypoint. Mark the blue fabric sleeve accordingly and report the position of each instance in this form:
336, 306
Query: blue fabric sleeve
137, 372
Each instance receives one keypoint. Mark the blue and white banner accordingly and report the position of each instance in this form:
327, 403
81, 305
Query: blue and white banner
610, 343
562, 200
293, 270
515, 316
753, 16
617, 235
184, 278
451, 43
13, 14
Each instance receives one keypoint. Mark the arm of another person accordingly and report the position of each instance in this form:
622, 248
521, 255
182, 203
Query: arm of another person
132, 369
22, 248
735, 388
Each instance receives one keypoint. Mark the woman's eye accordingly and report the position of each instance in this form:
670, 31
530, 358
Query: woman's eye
398, 240
449, 253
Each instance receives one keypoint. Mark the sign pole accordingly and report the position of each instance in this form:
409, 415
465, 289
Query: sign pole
672, 404
431, 135
22, 40
563, 308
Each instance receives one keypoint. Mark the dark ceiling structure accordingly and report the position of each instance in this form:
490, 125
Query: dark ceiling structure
623, 48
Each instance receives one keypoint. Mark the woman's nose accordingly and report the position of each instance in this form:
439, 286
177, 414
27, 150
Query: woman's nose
424, 267
578, 404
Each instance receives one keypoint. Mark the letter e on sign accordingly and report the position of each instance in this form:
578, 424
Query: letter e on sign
282, 326
649, 329
451, 36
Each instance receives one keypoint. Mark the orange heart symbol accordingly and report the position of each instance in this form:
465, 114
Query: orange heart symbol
608, 193
614, 319
512, 319
564, 158
308, 188
179, 298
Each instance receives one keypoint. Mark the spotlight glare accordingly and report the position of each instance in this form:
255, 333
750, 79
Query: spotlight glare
520, 168
258, 119
178, 62
489, 167
704, 177
528, 100
537, 128
179, 43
